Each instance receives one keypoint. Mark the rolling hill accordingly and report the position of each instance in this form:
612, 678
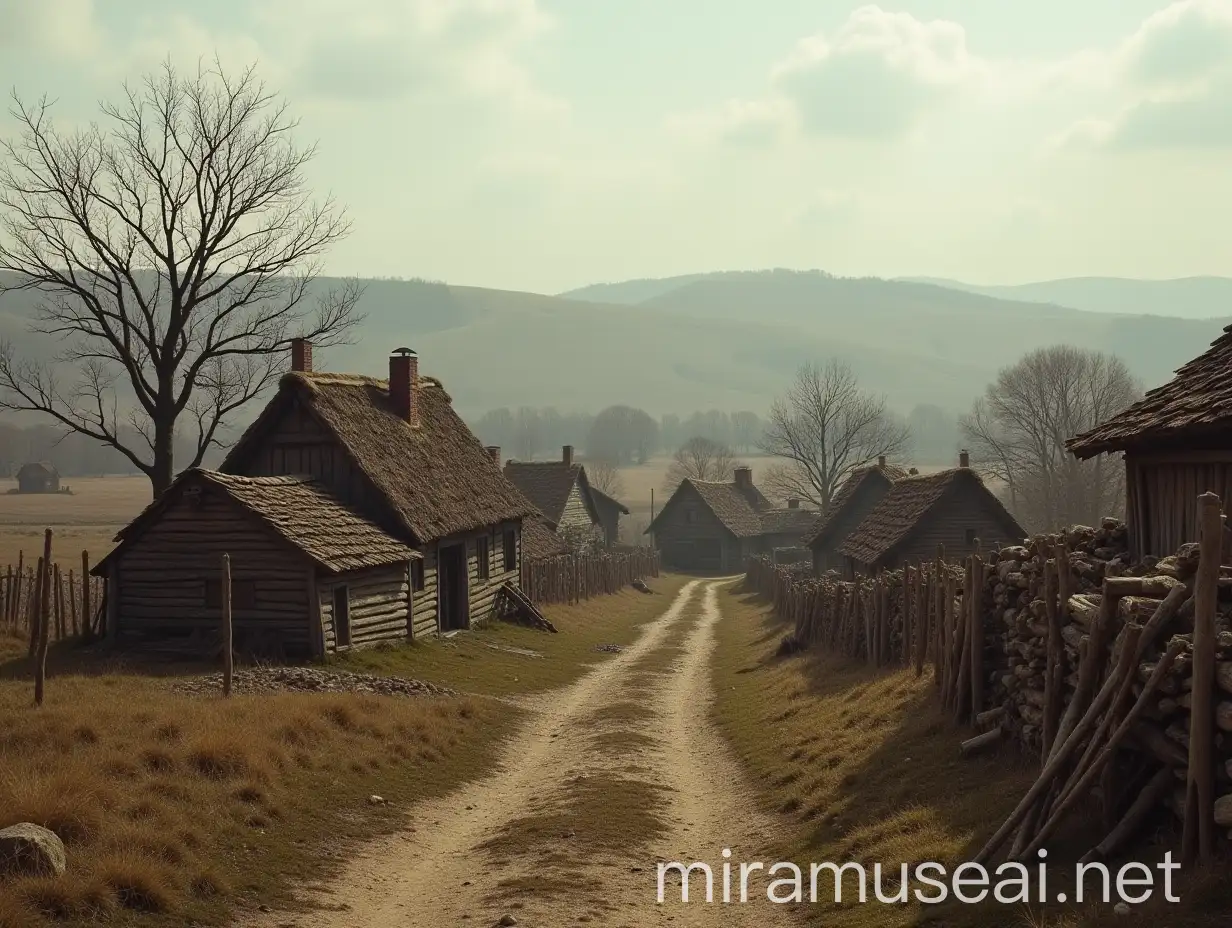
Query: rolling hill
727, 341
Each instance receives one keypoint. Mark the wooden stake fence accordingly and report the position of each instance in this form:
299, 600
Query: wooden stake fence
71, 596
570, 578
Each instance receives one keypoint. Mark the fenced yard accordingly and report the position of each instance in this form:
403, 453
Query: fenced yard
571, 578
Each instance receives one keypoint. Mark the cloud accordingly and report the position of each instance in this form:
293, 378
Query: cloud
62, 27
752, 123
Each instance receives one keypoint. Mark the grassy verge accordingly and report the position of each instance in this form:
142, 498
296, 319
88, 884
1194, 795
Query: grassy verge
178, 809
501, 659
865, 766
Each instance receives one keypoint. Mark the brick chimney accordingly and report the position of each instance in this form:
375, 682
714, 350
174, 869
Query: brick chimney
881, 460
404, 385
964, 459
566, 455
793, 503
301, 355
494, 454
744, 478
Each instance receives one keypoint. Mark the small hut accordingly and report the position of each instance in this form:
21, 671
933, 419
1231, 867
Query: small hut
562, 493
952, 508
38, 477
1177, 444
610, 511
854, 500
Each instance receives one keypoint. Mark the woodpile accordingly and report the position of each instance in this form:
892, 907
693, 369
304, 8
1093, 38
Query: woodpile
571, 578
1116, 673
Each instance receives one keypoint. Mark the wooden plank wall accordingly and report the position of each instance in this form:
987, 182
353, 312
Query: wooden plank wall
378, 605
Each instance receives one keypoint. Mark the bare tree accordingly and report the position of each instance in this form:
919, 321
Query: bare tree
823, 429
605, 477
1017, 433
527, 432
700, 459
173, 249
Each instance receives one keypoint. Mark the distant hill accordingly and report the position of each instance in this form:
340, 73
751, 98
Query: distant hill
1184, 297
727, 341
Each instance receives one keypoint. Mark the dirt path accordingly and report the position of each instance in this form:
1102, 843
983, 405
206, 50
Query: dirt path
611, 775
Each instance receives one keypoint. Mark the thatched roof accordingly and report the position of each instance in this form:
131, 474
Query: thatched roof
912, 500
548, 484
1194, 403
739, 510
787, 522
861, 478
540, 540
436, 480
609, 502
38, 468
299, 510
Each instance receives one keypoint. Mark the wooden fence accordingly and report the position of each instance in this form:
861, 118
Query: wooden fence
76, 599
1117, 674
571, 578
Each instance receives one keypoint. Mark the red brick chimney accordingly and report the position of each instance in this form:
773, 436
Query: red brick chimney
881, 461
301, 355
404, 385
964, 459
494, 454
566, 455
744, 478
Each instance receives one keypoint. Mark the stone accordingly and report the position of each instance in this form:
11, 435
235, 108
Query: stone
376, 800
1121, 908
31, 849
507, 920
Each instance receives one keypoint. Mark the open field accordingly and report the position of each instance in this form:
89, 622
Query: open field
865, 764
179, 808
87, 519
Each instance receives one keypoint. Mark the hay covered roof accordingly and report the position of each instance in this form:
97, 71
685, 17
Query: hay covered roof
860, 478
609, 501
787, 521
299, 510
912, 500
437, 479
539, 540
548, 484
1197, 400
739, 510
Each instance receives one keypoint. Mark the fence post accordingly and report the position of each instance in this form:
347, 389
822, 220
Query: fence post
226, 625
1198, 836
44, 620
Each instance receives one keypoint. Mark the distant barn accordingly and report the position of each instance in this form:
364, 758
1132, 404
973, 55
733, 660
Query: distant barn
38, 477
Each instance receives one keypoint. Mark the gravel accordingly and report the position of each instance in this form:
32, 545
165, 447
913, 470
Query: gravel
309, 680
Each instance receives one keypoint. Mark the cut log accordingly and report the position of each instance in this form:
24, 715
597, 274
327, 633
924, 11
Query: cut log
1134, 818
980, 742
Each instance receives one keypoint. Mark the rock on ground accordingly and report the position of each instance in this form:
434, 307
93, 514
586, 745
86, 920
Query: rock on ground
31, 849
310, 680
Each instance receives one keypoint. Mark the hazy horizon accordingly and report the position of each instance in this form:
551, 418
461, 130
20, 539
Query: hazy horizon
541, 145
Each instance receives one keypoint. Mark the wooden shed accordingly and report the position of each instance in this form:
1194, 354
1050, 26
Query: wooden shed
610, 511
952, 508
1177, 444
854, 500
308, 575
561, 492
396, 452
38, 477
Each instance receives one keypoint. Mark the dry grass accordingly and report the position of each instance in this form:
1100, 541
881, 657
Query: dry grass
501, 659
865, 765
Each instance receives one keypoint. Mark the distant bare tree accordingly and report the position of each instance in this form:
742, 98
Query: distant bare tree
173, 246
622, 435
527, 433
1017, 433
746, 429
823, 429
605, 477
700, 459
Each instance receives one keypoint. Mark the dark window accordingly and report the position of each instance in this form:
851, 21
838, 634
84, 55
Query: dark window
690, 515
417, 576
483, 556
970, 537
511, 550
342, 616
243, 594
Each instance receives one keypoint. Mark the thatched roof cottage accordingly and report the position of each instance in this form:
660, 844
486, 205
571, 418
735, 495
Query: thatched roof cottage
854, 500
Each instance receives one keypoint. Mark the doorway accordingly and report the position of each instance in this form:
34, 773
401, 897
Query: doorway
452, 587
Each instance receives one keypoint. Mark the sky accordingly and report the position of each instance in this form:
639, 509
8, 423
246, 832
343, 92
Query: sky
546, 144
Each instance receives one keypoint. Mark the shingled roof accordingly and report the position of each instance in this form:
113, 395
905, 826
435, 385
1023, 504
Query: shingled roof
908, 502
787, 521
1197, 400
604, 499
436, 479
548, 484
860, 477
539, 540
739, 510
298, 509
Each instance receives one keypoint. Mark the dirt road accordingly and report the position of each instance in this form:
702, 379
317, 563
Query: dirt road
610, 775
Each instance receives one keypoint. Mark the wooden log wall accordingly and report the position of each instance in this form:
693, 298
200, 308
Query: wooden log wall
1115, 672
76, 598
571, 578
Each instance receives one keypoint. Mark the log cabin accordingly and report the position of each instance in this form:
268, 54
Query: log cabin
308, 574
561, 492
1176, 444
395, 454
711, 527
953, 508
854, 500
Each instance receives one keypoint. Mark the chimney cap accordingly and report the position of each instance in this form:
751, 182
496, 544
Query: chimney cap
404, 352
881, 460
